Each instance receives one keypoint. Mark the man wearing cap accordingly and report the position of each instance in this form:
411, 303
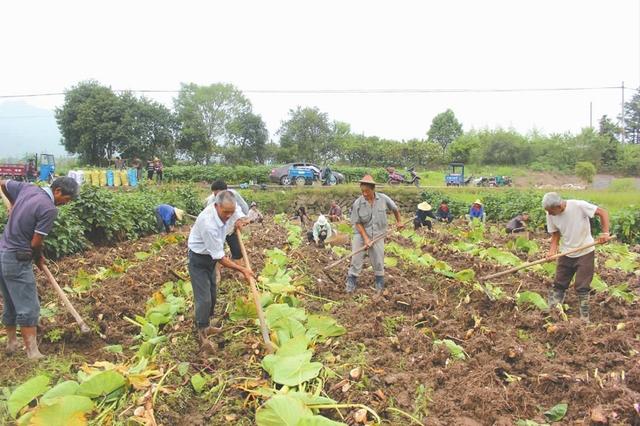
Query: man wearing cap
518, 223
31, 217
166, 217
369, 220
321, 231
424, 212
569, 226
476, 212
206, 250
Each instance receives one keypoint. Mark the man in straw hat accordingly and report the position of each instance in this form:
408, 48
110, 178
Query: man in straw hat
476, 212
369, 220
569, 219
166, 217
424, 212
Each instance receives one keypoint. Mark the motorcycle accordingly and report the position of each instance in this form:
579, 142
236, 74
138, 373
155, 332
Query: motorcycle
396, 178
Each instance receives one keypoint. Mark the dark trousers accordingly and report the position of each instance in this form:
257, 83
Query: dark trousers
321, 236
203, 282
21, 305
417, 223
582, 267
159, 175
234, 246
149, 174
160, 225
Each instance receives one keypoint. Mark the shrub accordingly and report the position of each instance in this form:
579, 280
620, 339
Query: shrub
626, 225
585, 171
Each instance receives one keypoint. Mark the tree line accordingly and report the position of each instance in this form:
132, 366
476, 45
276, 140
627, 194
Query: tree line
217, 123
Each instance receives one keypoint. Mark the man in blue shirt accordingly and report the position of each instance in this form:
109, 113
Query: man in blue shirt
31, 217
166, 217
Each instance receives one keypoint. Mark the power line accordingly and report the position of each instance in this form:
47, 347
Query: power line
353, 91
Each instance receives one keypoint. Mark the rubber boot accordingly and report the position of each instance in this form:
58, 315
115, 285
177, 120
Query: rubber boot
351, 283
12, 340
379, 283
583, 300
555, 296
205, 344
29, 335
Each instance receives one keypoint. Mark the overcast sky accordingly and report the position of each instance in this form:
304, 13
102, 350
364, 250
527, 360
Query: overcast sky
326, 45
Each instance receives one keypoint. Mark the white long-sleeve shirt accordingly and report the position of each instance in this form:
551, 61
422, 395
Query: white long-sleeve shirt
208, 234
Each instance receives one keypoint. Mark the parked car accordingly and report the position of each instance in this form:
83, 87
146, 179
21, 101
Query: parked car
281, 174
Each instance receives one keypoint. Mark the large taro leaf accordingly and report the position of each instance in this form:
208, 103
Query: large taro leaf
532, 298
502, 257
622, 291
443, 268
286, 321
320, 325
66, 410
245, 309
311, 400
463, 246
101, 384
282, 410
292, 370
27, 392
626, 264
69, 387
280, 283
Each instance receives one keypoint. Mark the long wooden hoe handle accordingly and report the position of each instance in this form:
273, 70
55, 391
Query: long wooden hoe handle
256, 299
84, 328
52, 281
363, 248
539, 261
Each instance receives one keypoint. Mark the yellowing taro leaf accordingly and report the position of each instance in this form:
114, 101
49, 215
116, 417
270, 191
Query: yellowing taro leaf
139, 381
320, 325
64, 411
101, 384
69, 387
281, 410
27, 392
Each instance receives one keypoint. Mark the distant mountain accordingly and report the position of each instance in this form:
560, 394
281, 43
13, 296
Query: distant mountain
27, 129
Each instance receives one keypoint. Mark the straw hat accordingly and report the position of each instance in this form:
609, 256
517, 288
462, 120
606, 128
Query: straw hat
179, 214
424, 206
477, 201
322, 221
253, 204
156, 159
368, 179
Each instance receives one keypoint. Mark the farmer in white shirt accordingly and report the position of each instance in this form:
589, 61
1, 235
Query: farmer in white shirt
568, 224
206, 249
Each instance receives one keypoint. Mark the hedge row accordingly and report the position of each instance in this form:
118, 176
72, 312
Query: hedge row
104, 216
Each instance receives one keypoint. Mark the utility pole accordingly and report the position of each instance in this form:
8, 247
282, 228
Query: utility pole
622, 116
591, 115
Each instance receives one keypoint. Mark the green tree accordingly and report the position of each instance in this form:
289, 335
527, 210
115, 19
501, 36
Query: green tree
248, 136
612, 150
504, 147
585, 171
445, 128
204, 114
307, 136
91, 122
151, 129
464, 148
632, 119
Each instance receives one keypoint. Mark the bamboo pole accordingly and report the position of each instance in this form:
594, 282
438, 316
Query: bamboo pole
256, 298
539, 261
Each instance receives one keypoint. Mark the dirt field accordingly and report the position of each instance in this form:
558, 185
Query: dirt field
519, 361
